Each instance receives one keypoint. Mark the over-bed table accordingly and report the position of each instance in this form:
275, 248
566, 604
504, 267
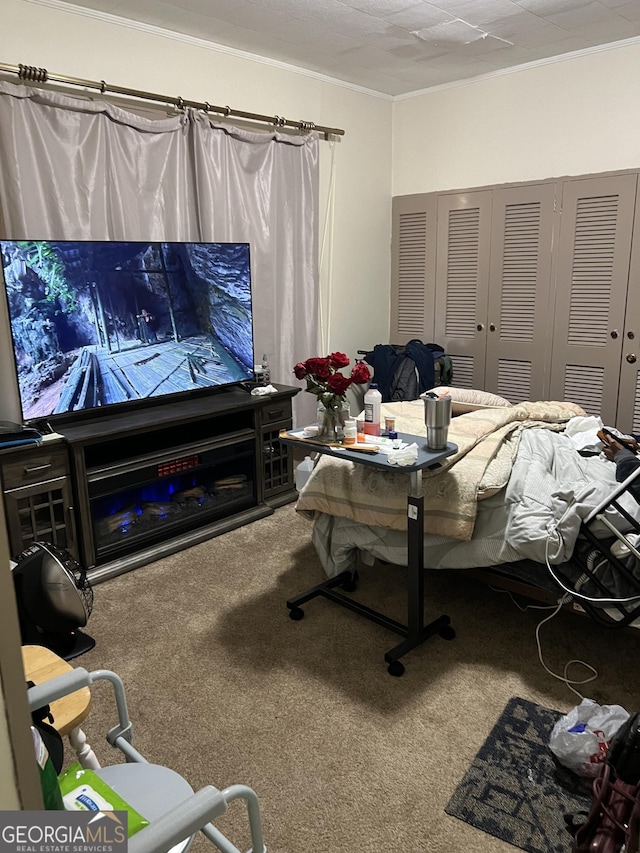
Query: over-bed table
415, 631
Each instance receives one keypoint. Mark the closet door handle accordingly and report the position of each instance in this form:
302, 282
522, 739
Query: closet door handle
479, 327
492, 327
632, 358
614, 334
631, 335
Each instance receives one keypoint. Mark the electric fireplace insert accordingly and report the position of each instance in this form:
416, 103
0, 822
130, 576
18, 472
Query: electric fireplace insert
140, 502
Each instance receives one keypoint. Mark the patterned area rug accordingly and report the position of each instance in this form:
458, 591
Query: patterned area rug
515, 790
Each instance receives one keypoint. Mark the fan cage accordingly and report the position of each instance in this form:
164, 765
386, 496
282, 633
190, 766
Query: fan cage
80, 579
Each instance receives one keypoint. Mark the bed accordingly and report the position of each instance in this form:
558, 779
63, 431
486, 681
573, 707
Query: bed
527, 496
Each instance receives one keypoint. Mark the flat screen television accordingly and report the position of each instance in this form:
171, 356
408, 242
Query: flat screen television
99, 324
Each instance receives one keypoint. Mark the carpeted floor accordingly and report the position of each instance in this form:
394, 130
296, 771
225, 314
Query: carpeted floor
514, 790
225, 688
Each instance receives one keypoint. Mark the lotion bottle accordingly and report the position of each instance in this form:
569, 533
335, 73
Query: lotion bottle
372, 401
303, 472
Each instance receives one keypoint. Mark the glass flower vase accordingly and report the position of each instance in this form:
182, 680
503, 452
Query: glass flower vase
331, 421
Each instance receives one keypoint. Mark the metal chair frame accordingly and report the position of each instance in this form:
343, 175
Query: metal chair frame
187, 817
608, 608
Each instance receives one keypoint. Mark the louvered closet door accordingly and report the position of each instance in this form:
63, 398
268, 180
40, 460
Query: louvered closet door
628, 416
518, 331
462, 283
591, 290
413, 263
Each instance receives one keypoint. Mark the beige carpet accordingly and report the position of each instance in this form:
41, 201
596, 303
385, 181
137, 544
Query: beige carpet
225, 688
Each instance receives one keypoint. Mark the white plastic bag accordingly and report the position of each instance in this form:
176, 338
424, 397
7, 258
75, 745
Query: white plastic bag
580, 740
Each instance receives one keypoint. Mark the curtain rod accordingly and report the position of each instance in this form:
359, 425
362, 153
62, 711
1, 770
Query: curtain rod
41, 75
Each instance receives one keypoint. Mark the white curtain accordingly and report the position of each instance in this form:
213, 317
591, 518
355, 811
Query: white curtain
75, 169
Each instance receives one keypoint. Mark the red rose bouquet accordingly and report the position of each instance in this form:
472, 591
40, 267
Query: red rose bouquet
327, 383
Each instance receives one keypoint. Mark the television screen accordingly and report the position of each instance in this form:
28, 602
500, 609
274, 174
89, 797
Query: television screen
98, 324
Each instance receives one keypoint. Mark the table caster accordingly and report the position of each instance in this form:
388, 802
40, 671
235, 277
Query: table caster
396, 669
447, 633
296, 613
351, 583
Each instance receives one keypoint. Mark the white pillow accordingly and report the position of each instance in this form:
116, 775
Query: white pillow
470, 400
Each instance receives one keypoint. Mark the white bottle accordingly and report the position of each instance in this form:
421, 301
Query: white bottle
303, 472
266, 373
372, 400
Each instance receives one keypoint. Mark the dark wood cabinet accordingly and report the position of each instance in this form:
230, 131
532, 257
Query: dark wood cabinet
277, 458
142, 484
38, 496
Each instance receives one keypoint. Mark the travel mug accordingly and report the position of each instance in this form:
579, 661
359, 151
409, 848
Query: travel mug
437, 417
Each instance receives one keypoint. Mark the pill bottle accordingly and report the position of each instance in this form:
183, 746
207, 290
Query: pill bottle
350, 431
393, 438
372, 401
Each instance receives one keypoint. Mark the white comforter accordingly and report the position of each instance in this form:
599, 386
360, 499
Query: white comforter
552, 488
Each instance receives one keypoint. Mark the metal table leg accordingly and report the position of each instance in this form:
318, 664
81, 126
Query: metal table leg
416, 631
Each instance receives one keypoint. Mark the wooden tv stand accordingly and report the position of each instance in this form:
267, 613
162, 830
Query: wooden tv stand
150, 482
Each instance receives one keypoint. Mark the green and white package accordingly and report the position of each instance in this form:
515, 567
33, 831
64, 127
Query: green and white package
84, 790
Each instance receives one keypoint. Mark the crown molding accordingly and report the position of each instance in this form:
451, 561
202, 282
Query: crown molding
527, 66
118, 20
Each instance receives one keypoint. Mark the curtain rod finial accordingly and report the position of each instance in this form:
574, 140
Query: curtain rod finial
30, 72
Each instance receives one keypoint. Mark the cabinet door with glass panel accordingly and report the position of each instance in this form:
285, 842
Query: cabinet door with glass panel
38, 498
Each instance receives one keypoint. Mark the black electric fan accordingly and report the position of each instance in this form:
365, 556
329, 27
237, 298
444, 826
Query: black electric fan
54, 600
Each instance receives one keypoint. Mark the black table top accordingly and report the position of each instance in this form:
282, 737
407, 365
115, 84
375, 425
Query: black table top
426, 458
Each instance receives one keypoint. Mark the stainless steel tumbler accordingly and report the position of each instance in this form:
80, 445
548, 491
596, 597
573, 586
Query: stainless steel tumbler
437, 417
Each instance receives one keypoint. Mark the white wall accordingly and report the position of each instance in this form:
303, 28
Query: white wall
569, 117
9, 798
19, 780
8, 787
356, 259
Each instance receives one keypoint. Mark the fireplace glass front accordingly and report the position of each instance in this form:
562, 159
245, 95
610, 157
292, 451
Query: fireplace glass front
146, 501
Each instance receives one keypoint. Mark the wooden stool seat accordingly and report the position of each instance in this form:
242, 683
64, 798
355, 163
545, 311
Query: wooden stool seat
41, 664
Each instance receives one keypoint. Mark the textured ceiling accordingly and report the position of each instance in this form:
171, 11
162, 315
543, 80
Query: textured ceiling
393, 47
